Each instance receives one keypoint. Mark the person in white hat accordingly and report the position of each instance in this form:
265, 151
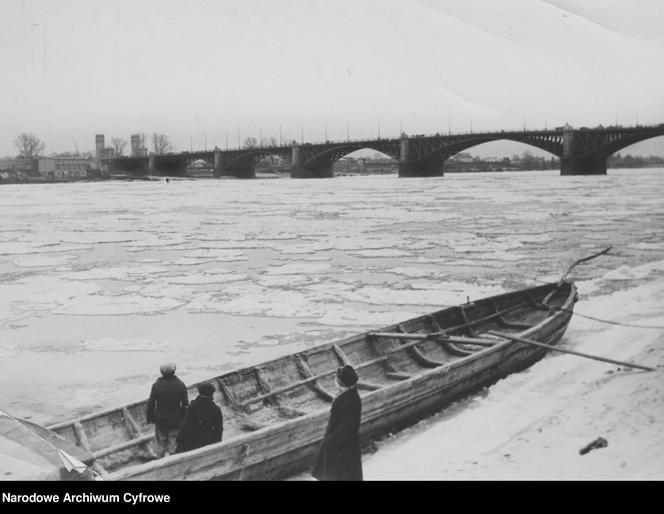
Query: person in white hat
166, 408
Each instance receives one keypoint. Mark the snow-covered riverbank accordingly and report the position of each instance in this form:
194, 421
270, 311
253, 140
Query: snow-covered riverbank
531, 426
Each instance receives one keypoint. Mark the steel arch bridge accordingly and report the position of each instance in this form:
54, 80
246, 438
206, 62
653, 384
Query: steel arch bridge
581, 151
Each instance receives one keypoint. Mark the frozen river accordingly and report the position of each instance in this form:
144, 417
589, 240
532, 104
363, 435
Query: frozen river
101, 282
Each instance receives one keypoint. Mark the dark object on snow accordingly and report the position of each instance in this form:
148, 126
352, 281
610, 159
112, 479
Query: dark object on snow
600, 442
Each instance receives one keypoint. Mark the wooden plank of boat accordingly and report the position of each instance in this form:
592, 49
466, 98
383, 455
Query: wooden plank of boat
362, 384
81, 436
288, 412
305, 381
449, 346
398, 397
509, 323
417, 355
390, 370
247, 423
341, 355
306, 372
437, 336
398, 375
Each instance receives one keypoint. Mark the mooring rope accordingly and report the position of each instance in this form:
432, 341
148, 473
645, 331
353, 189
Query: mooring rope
611, 322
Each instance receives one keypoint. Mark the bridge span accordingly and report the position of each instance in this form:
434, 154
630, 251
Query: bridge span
582, 151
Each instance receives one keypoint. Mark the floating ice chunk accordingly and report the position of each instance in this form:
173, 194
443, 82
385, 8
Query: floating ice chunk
232, 244
632, 273
277, 303
96, 236
439, 294
304, 248
276, 236
257, 301
122, 304
28, 296
316, 258
113, 344
191, 261
362, 243
205, 278
116, 273
297, 268
647, 246
151, 240
337, 315
413, 272
17, 248
290, 280
39, 261
217, 255
385, 252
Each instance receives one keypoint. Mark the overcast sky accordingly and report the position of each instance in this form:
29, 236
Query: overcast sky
187, 68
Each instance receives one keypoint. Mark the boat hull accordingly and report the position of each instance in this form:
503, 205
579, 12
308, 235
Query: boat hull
289, 447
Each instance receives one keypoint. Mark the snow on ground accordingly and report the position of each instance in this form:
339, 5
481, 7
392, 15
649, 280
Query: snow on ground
531, 425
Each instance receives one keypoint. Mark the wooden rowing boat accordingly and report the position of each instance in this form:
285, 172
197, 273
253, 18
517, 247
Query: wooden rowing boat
275, 413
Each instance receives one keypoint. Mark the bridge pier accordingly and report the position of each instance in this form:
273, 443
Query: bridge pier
299, 170
236, 171
218, 167
588, 166
571, 162
318, 172
408, 168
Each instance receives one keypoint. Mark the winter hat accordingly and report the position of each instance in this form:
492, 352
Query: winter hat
167, 369
347, 376
206, 389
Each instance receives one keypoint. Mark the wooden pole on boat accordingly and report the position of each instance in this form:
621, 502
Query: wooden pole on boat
556, 349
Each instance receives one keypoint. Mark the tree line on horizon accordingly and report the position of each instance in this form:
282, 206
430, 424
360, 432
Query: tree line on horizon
30, 146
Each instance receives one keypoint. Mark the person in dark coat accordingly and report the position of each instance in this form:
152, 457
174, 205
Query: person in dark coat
203, 423
166, 407
339, 456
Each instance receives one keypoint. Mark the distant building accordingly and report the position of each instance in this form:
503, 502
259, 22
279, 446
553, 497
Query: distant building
18, 164
462, 157
18, 170
101, 150
137, 148
64, 168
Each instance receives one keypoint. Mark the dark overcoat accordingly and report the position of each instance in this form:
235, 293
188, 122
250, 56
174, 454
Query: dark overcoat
339, 456
203, 424
167, 403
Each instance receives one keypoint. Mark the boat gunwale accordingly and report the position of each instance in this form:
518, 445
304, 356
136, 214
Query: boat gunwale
247, 438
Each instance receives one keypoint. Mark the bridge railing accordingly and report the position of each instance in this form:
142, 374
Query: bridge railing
340, 142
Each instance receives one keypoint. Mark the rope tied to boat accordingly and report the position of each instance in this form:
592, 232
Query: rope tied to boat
593, 318
611, 322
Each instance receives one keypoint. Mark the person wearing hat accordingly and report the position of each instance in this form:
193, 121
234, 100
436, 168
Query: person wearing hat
339, 456
166, 407
203, 423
